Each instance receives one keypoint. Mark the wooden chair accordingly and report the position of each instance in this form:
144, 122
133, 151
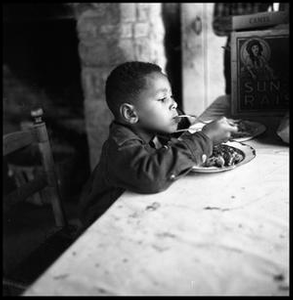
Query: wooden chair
48, 179
64, 233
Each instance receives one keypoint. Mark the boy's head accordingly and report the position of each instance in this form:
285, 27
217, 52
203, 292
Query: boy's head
139, 94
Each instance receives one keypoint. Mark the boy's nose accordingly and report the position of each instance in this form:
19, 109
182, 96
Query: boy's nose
174, 105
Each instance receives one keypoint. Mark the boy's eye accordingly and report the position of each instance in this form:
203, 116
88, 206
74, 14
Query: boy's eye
165, 98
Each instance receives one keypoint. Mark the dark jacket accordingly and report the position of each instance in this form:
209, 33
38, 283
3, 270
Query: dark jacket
129, 163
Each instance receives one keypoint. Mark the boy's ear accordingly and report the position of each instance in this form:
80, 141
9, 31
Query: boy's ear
128, 113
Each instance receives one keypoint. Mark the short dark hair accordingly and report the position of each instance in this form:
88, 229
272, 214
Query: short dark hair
251, 44
126, 81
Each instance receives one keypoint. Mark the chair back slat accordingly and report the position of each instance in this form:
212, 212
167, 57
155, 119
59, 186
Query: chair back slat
17, 140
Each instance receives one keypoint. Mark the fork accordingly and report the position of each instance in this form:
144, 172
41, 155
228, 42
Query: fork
230, 121
186, 129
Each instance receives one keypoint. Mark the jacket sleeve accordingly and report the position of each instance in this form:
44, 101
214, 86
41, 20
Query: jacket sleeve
222, 19
139, 168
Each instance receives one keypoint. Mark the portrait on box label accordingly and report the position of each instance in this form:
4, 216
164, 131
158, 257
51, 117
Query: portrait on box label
263, 72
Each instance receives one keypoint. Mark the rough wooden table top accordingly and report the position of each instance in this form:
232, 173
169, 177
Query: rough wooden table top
208, 234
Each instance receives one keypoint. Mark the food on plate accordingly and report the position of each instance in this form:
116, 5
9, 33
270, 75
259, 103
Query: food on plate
224, 156
245, 129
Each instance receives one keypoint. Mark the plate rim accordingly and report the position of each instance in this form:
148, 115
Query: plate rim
199, 169
260, 130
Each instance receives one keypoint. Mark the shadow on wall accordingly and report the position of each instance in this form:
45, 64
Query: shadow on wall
41, 68
69, 145
18, 100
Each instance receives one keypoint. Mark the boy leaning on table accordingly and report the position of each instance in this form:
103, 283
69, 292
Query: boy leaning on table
141, 153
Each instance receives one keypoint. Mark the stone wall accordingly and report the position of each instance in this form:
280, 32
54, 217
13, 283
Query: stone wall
110, 34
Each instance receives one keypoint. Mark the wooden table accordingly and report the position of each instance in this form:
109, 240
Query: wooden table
208, 234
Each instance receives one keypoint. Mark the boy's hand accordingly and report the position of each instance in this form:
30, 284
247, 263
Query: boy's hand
219, 131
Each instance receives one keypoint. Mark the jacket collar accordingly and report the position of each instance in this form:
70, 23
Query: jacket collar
122, 133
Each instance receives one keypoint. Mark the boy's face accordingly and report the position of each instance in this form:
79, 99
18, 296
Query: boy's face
155, 107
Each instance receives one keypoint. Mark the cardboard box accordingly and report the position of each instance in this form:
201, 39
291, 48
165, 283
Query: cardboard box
259, 20
260, 72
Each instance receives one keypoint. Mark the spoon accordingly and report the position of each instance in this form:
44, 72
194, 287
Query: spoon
186, 116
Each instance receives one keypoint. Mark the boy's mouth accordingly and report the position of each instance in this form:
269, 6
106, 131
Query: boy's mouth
191, 118
176, 120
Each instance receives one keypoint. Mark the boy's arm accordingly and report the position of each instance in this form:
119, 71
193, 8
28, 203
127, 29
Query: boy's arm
139, 168
222, 19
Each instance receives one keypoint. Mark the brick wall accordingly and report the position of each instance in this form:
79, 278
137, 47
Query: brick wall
110, 34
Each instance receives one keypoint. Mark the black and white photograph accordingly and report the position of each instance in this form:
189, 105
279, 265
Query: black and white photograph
146, 149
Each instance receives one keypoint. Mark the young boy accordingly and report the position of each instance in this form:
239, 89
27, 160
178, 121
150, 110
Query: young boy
140, 153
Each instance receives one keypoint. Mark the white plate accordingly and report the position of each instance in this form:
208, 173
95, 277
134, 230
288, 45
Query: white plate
258, 128
248, 153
